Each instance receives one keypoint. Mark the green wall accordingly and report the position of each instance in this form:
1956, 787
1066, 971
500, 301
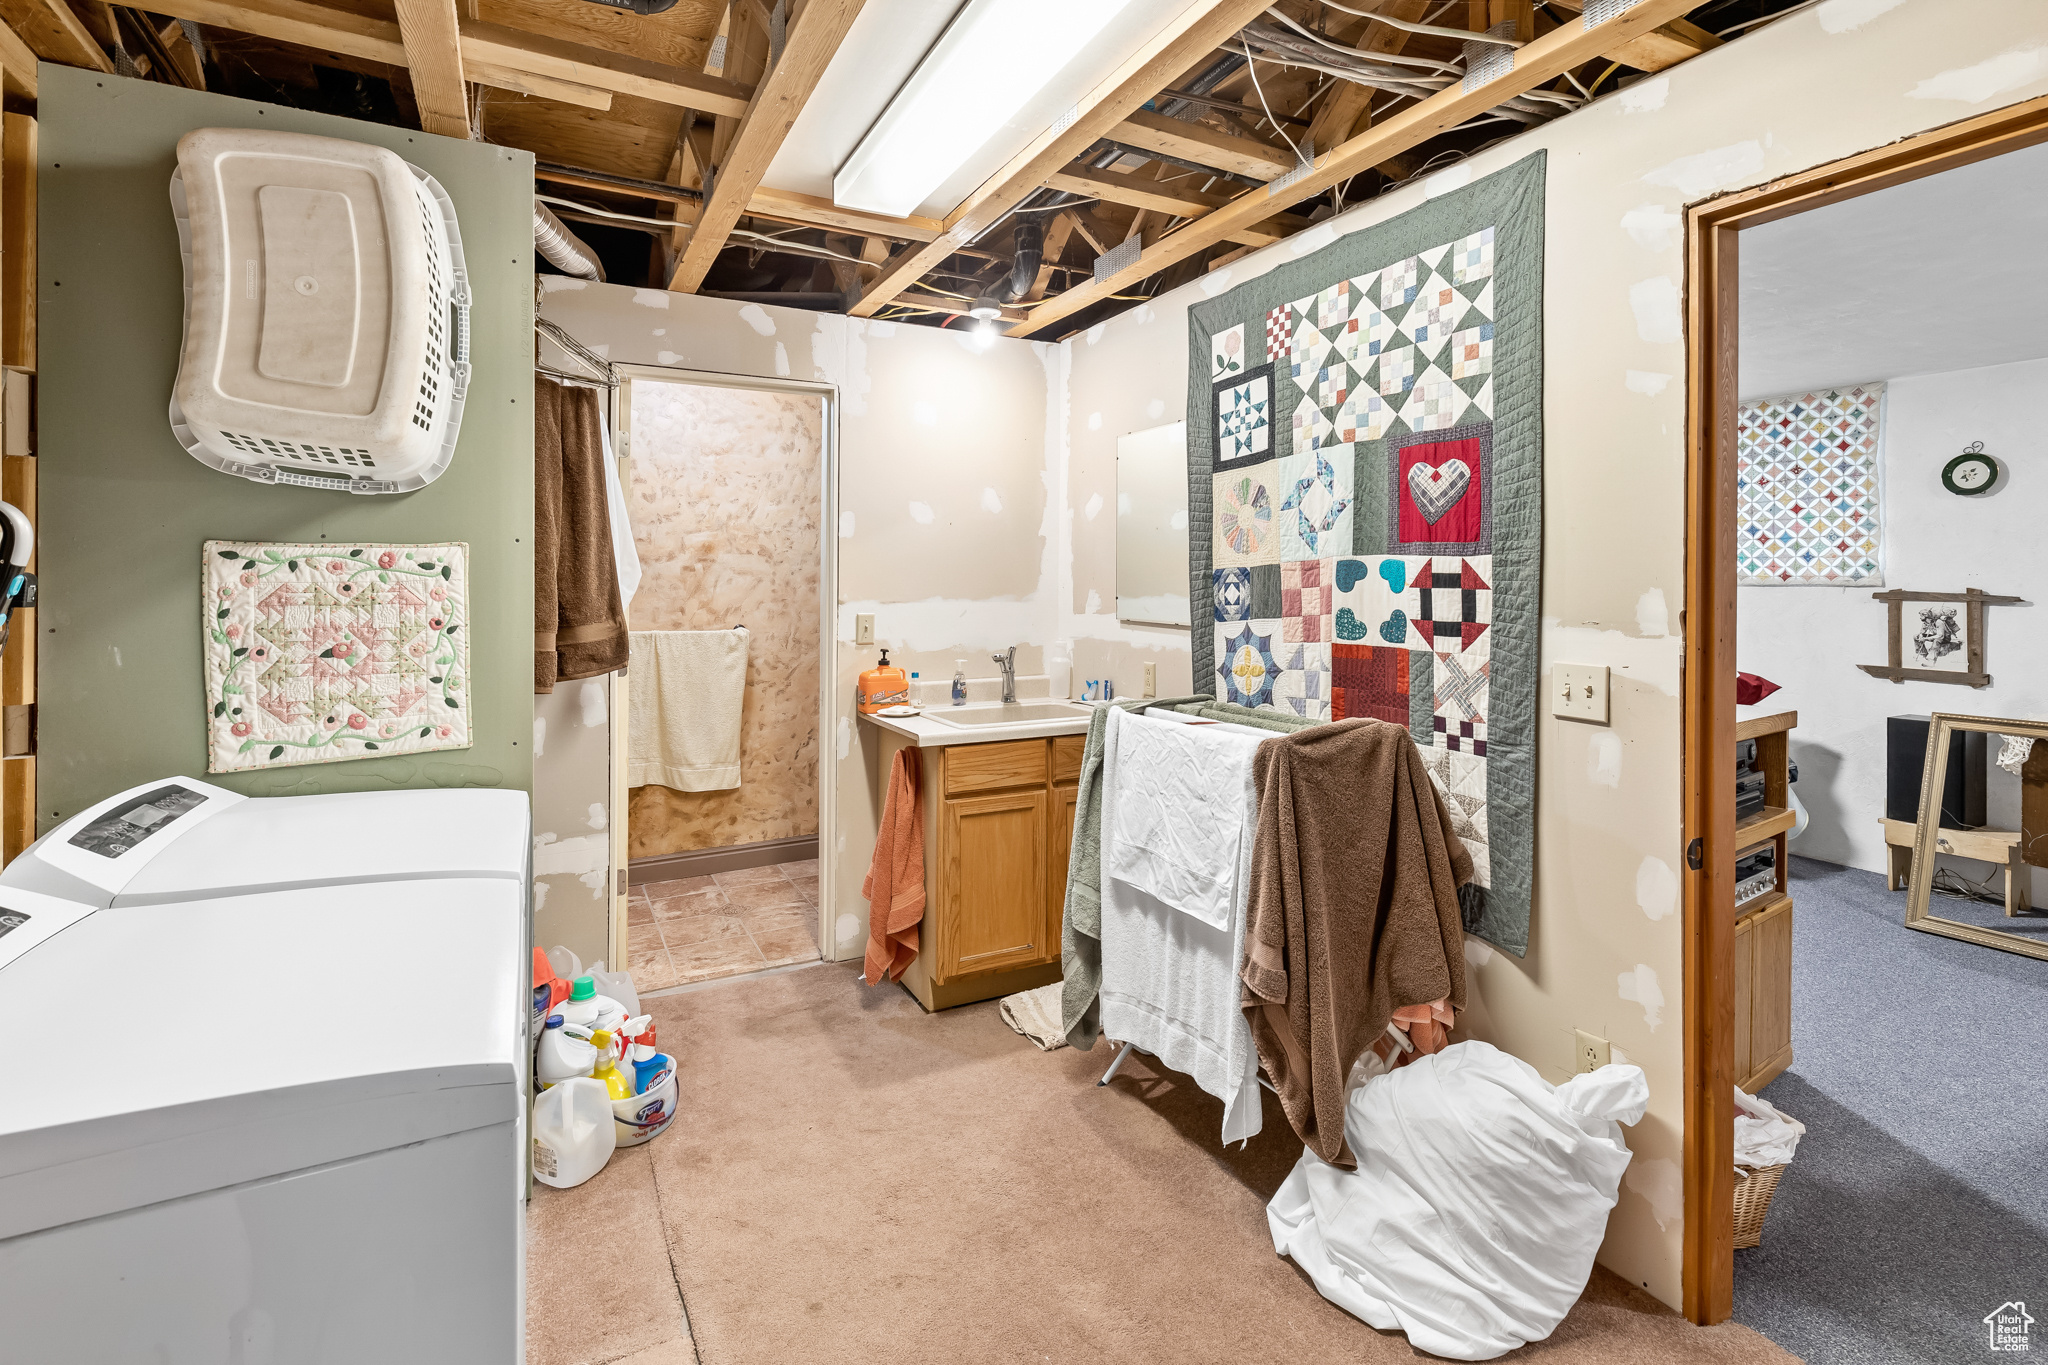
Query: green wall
124, 509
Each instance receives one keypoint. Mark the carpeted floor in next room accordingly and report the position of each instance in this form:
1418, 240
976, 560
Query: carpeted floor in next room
1918, 1200
853, 1180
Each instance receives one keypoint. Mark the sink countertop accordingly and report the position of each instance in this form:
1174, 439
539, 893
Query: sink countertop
928, 733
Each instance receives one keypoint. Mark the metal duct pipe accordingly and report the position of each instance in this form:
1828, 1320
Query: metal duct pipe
1030, 238
561, 247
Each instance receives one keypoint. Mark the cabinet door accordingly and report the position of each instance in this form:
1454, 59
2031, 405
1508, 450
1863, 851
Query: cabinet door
1770, 1029
1064, 799
1745, 995
993, 853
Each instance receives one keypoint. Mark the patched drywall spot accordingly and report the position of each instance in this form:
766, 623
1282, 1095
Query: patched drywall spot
924, 414
591, 700
571, 857
1650, 662
661, 331
117, 654
1698, 175
1094, 421
781, 360
1478, 952
540, 888
1313, 239
843, 738
1647, 382
1840, 16
921, 513
1155, 409
666, 357
540, 735
846, 525
1653, 614
1145, 315
1453, 178
1656, 888
1092, 508
1640, 987
846, 930
1661, 1186
1655, 304
756, 317
1645, 97
652, 298
556, 284
1123, 503
1179, 520
1976, 84
881, 331
1095, 332
1094, 603
1214, 283
1653, 227
991, 501
1617, 1056
598, 817
1603, 759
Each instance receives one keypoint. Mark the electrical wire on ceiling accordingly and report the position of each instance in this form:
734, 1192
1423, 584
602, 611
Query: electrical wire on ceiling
1253, 68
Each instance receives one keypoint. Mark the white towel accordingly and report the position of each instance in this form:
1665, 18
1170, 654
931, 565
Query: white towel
1169, 977
688, 688
625, 553
1036, 1015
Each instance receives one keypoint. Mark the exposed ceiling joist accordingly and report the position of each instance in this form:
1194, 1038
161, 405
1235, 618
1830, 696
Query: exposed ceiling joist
1195, 33
431, 34
54, 33
1540, 61
812, 39
782, 206
1662, 47
17, 64
1346, 107
1204, 145
1164, 197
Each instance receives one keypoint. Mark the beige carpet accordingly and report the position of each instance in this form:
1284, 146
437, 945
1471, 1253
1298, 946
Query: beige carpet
852, 1180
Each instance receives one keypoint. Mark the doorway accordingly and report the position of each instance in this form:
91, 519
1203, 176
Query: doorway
1728, 970
727, 481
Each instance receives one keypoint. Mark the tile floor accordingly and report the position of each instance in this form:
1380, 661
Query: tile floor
701, 928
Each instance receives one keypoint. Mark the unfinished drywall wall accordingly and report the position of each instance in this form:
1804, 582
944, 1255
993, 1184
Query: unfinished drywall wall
1605, 952
725, 508
1809, 640
948, 451
125, 509
572, 840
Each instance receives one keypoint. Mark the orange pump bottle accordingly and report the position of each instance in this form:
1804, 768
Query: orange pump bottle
883, 685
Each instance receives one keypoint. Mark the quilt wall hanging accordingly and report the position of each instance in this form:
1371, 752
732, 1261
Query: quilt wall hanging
1807, 489
1365, 493
316, 653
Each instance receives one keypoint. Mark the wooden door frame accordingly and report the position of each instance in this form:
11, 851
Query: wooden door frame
1708, 793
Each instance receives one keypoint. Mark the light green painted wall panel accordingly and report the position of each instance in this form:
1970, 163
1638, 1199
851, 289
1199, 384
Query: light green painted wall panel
124, 509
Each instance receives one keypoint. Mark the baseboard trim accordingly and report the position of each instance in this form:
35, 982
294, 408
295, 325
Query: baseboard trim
702, 862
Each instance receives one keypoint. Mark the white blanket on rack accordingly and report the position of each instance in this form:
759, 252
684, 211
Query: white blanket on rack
1169, 970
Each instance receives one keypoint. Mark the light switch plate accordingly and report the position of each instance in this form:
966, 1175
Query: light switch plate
1579, 692
1151, 680
863, 629
1592, 1052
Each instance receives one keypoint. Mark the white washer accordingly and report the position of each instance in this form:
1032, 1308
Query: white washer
271, 1125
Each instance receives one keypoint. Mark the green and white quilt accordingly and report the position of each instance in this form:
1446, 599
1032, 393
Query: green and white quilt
1365, 493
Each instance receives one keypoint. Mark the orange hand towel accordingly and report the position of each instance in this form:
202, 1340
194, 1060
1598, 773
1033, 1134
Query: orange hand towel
895, 880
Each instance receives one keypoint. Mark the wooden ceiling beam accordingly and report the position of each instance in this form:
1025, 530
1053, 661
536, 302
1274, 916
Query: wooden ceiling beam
1661, 48
545, 87
1204, 145
1171, 200
54, 33
782, 206
1539, 62
813, 37
613, 71
17, 64
1347, 106
1192, 36
430, 31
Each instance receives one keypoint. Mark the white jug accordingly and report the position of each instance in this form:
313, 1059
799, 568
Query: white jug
573, 1132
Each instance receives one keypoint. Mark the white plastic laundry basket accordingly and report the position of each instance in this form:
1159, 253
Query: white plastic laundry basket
326, 312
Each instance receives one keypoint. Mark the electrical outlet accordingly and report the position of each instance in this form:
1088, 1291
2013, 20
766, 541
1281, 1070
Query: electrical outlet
1579, 692
1151, 680
863, 629
1592, 1052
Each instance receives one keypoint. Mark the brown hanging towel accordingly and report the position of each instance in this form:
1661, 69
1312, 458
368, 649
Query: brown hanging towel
579, 622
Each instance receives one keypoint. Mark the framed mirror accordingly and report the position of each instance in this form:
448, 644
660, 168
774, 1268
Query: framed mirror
1152, 526
2021, 766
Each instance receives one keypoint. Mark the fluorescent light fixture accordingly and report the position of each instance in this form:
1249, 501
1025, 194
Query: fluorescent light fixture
990, 62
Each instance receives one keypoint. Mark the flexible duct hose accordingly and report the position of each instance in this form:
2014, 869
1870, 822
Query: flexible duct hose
1030, 237
562, 247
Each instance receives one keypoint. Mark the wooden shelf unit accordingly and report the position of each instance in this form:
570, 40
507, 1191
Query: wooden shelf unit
1763, 927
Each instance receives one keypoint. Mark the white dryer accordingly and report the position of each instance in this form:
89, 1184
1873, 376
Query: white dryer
265, 1123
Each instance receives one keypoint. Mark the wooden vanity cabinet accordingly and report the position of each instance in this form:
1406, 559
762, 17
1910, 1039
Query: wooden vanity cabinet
999, 821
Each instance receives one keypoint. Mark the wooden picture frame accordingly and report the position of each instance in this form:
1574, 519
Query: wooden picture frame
1927, 838
1974, 601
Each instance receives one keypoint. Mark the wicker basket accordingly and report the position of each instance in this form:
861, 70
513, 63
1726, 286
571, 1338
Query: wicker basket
1752, 1201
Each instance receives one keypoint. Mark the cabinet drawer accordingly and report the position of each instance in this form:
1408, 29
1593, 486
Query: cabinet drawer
1066, 757
993, 767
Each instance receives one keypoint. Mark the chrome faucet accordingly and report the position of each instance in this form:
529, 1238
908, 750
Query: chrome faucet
1008, 663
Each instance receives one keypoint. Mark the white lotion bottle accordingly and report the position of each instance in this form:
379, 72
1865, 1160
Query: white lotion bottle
1059, 668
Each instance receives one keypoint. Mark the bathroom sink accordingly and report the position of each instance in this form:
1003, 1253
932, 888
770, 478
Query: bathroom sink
1016, 713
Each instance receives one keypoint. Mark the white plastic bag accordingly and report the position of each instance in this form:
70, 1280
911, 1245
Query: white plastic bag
1480, 1199
1764, 1136
574, 1132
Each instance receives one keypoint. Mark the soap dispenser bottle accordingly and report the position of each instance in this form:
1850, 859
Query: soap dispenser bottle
883, 685
959, 682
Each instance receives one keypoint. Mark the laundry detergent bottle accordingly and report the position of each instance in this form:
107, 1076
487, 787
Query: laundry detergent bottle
564, 1052
883, 685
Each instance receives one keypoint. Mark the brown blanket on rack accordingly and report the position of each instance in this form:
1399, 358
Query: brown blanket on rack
1353, 914
579, 621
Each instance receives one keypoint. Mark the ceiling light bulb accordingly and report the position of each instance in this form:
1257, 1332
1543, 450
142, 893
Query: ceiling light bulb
991, 61
986, 308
